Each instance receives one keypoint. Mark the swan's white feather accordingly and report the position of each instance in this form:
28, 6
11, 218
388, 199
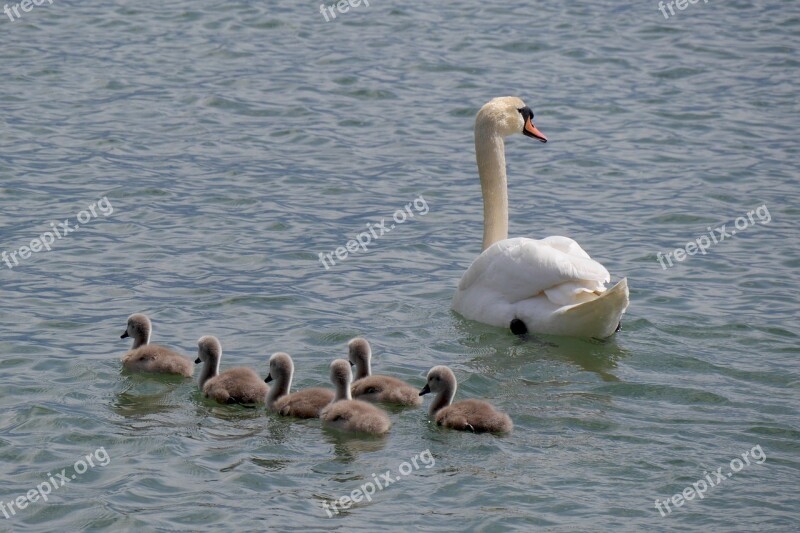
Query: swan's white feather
574, 292
521, 268
538, 281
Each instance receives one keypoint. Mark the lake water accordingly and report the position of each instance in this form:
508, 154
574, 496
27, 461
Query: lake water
230, 144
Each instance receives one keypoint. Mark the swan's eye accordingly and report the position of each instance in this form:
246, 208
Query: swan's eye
526, 112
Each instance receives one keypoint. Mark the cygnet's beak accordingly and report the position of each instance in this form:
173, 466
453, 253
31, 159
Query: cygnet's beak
531, 131
425, 390
268, 378
124, 335
352, 364
197, 361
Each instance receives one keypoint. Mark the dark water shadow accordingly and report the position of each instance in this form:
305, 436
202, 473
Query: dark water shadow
500, 350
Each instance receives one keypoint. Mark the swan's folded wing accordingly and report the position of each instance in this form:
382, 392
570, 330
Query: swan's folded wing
566, 245
521, 268
574, 292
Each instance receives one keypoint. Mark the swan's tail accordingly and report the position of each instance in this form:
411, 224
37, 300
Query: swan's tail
518, 327
600, 317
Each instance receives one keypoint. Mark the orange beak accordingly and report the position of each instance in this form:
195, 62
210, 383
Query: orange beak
530, 131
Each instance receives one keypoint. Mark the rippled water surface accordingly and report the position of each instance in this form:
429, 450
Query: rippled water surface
234, 142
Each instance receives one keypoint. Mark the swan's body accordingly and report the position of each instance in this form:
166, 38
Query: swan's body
551, 285
306, 403
370, 388
348, 414
477, 416
237, 385
146, 357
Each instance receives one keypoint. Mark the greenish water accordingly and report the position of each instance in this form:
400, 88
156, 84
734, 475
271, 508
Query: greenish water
237, 142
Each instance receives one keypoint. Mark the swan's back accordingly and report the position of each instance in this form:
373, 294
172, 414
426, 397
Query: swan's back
306, 403
356, 416
157, 359
385, 389
538, 282
474, 415
237, 385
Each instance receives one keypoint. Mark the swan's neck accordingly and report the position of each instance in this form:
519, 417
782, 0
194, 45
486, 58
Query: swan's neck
363, 368
443, 399
141, 340
491, 157
342, 391
280, 388
210, 369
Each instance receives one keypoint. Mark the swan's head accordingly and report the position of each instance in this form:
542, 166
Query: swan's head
138, 327
359, 351
440, 379
341, 375
209, 350
281, 368
506, 116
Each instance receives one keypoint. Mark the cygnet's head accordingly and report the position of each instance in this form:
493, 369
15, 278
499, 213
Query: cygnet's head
341, 373
359, 350
440, 379
139, 327
209, 350
506, 116
360, 353
281, 368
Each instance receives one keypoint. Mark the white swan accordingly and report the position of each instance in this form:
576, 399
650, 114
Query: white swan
544, 286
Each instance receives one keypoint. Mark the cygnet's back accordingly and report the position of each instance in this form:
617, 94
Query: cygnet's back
477, 416
348, 414
146, 357
306, 403
384, 389
237, 385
